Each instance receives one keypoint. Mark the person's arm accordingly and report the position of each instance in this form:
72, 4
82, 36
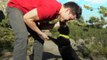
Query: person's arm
30, 18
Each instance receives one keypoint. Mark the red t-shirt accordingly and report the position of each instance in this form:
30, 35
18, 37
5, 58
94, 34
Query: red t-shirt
47, 9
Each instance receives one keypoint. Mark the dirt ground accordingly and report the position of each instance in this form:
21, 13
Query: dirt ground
51, 51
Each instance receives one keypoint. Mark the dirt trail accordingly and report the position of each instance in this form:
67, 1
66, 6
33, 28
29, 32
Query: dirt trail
51, 51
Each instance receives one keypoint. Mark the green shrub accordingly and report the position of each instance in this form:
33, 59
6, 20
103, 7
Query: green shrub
6, 35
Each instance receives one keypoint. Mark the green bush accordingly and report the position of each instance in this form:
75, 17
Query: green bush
6, 35
95, 38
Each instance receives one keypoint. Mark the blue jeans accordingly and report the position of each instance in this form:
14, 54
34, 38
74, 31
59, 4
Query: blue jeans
21, 36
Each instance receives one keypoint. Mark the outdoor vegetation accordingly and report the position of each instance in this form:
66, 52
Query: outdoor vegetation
91, 32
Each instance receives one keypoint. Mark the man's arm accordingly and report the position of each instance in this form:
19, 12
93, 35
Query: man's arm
30, 18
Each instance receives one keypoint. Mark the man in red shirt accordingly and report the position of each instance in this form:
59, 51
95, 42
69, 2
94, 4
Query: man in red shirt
28, 15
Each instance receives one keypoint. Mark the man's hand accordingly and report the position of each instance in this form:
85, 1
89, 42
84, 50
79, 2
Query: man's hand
44, 36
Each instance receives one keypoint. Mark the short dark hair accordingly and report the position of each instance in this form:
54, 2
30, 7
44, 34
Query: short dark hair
75, 8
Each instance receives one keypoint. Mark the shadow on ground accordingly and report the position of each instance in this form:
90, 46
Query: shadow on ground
48, 55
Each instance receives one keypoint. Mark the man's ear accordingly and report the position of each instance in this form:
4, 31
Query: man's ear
68, 9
